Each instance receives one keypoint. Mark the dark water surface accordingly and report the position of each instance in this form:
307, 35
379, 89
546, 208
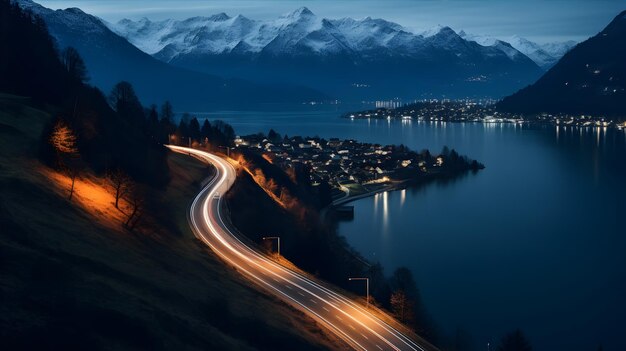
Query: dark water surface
537, 240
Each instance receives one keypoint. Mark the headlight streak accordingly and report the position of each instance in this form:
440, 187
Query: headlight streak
221, 183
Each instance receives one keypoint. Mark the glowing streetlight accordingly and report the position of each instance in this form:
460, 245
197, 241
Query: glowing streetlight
367, 287
277, 238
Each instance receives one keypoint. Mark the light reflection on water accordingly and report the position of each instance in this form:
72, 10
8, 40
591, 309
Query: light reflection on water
534, 241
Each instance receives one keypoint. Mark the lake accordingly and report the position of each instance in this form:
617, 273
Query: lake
535, 241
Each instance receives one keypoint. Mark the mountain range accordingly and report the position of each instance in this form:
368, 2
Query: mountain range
545, 55
346, 57
111, 58
589, 79
202, 63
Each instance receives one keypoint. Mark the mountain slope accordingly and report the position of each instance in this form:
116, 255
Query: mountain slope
366, 58
70, 282
590, 79
544, 55
110, 59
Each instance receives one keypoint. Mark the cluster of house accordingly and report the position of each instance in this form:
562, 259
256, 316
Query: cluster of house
342, 161
472, 111
431, 111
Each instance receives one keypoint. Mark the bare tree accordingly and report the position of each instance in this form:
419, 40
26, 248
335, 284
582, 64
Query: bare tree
121, 184
136, 200
402, 306
63, 140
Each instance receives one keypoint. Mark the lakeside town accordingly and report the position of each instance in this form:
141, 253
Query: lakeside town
482, 111
353, 168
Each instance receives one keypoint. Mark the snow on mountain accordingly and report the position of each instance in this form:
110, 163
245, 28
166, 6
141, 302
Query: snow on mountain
297, 33
335, 55
544, 55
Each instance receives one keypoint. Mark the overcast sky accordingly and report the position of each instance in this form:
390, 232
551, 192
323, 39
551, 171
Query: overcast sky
539, 20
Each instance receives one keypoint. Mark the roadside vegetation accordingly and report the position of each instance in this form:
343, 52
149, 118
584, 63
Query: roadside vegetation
95, 248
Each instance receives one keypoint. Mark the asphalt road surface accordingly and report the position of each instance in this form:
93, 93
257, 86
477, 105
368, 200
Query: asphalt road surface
346, 318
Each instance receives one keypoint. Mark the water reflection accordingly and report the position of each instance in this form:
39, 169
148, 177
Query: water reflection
529, 240
386, 212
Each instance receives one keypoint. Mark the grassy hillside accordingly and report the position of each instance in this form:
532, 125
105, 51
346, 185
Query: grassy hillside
72, 277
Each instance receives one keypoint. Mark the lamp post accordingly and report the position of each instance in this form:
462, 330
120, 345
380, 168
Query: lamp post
277, 238
227, 150
367, 288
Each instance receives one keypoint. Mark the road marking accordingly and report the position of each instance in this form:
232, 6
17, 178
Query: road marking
365, 336
339, 317
301, 294
325, 309
351, 326
315, 302
380, 348
213, 197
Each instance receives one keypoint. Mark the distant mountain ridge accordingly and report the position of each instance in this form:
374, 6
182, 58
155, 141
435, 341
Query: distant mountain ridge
589, 79
544, 55
111, 58
335, 55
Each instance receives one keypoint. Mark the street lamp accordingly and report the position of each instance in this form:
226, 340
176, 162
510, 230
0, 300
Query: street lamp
277, 238
367, 287
227, 150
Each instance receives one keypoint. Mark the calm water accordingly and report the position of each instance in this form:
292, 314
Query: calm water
535, 241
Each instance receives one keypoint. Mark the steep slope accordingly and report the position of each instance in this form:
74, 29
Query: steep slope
590, 79
110, 59
366, 58
68, 281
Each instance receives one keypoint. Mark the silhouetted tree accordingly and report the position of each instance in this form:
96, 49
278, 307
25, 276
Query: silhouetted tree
402, 307
402, 280
167, 112
182, 132
273, 136
74, 64
135, 198
121, 184
206, 131
124, 100
194, 129
167, 126
153, 121
29, 62
515, 341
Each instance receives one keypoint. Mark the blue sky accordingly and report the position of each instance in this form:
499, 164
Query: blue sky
539, 20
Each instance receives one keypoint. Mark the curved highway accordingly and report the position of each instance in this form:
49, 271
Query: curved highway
344, 317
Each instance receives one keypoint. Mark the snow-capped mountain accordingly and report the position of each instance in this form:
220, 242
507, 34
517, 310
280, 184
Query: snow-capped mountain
296, 33
335, 55
544, 55
110, 58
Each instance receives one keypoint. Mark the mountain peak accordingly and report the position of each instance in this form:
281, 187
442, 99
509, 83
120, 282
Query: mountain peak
219, 17
446, 30
300, 12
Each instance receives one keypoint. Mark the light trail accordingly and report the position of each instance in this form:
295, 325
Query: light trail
347, 319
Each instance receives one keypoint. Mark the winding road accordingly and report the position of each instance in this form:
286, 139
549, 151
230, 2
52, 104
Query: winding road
344, 317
